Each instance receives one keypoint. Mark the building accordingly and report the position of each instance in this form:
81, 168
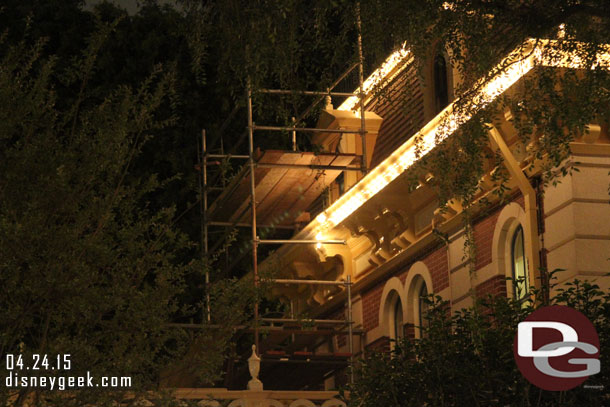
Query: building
391, 222
378, 241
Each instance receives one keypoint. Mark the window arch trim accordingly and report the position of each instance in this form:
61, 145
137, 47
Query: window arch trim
393, 291
510, 218
418, 276
518, 234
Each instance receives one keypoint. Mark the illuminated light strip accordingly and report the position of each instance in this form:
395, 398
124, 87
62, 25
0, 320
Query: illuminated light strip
384, 72
433, 133
555, 57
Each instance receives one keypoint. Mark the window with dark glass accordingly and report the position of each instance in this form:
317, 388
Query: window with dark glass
441, 87
340, 180
519, 266
422, 306
398, 320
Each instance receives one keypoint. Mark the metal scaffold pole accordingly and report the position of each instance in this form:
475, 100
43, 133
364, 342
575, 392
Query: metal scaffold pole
349, 320
204, 172
350, 328
236, 218
361, 88
294, 135
253, 214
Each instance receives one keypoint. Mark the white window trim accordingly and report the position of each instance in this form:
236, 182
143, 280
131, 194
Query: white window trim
392, 291
418, 274
511, 216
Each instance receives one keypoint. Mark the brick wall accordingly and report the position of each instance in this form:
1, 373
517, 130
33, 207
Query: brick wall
371, 301
483, 239
409, 331
338, 314
438, 267
494, 286
484, 234
520, 200
381, 344
437, 263
402, 109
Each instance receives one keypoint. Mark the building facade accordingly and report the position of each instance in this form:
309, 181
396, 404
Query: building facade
401, 245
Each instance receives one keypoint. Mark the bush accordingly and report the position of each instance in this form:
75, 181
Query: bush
466, 359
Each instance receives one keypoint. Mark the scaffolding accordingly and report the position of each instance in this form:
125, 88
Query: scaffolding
253, 161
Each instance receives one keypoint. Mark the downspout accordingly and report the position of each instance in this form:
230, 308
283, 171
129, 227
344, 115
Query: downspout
545, 282
532, 243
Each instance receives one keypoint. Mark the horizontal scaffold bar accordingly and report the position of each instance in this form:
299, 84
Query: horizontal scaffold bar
227, 156
312, 129
203, 326
208, 188
309, 166
295, 241
312, 282
248, 225
305, 321
306, 92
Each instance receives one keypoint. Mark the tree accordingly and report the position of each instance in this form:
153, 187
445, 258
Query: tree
477, 36
467, 358
551, 109
305, 45
92, 264
77, 193
87, 268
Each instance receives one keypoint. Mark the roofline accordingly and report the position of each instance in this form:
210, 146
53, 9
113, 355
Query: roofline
512, 68
388, 70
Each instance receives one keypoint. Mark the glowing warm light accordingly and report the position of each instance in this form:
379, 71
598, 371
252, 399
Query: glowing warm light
386, 72
549, 53
319, 237
518, 63
449, 6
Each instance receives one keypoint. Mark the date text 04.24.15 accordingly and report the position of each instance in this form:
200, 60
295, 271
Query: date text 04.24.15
37, 361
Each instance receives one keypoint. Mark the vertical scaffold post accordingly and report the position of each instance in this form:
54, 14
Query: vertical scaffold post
361, 87
225, 247
350, 328
253, 209
294, 135
204, 171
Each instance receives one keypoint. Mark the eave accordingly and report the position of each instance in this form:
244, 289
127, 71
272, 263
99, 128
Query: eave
331, 223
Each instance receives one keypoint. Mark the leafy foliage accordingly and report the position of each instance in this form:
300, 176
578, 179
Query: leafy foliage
549, 109
304, 45
92, 263
93, 251
467, 358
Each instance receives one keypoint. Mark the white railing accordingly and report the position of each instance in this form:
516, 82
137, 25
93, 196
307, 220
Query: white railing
215, 397
255, 396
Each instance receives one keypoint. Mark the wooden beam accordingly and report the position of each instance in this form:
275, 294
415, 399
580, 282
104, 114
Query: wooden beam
532, 242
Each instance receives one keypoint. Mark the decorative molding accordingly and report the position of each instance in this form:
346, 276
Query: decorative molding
459, 266
590, 150
392, 288
574, 200
511, 216
418, 274
574, 237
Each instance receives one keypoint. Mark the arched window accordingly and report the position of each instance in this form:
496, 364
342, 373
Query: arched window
441, 86
422, 307
519, 266
398, 320
508, 236
392, 312
340, 180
